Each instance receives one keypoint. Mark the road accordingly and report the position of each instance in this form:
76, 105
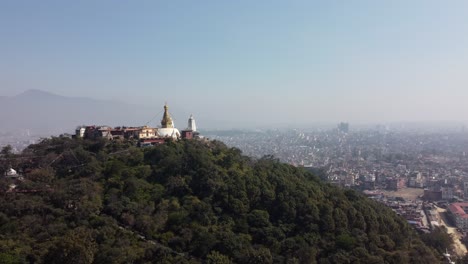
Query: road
460, 248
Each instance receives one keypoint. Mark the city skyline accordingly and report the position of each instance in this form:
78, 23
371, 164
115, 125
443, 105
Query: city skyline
254, 64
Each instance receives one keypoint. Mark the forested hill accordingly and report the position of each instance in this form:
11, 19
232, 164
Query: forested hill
187, 202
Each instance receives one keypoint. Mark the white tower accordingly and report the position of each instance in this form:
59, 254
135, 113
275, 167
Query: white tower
191, 124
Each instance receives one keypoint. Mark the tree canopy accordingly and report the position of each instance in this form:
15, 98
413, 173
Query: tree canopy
98, 201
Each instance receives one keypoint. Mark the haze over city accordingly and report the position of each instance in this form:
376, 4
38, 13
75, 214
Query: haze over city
238, 131
245, 63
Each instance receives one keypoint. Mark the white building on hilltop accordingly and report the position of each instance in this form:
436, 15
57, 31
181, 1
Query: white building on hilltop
191, 124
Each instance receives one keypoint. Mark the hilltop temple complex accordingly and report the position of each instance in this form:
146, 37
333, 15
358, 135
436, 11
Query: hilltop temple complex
145, 135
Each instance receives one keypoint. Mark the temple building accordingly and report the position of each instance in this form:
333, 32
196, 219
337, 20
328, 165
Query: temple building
147, 132
145, 135
191, 130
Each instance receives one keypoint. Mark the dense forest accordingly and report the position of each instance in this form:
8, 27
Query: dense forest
84, 201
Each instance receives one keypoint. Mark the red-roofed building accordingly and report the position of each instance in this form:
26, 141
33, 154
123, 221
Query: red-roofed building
459, 215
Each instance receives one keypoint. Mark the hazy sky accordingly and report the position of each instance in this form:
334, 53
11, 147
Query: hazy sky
252, 62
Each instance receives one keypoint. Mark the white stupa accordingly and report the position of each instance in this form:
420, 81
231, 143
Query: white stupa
167, 126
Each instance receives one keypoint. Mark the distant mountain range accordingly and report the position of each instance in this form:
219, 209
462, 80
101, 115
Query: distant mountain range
42, 113
45, 113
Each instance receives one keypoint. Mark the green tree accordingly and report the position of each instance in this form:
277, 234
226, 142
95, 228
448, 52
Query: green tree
77, 246
217, 258
439, 239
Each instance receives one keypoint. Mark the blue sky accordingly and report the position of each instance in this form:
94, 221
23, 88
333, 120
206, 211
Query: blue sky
249, 62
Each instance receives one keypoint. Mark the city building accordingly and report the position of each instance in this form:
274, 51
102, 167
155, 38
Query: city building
432, 195
447, 192
416, 180
458, 213
80, 131
369, 182
465, 190
395, 183
343, 127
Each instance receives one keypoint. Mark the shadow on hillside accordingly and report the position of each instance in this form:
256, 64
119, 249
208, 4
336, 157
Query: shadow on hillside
447, 219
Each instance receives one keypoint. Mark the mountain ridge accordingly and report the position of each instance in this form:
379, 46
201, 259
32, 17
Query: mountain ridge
47, 113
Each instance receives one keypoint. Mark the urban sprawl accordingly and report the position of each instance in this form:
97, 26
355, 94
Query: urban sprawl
422, 176
383, 163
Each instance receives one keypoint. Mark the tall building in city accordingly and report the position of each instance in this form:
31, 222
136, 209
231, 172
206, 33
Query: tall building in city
465, 190
343, 127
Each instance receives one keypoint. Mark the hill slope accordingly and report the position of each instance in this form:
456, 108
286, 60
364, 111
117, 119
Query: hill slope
188, 202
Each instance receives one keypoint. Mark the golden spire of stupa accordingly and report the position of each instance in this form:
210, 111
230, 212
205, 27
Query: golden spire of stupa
166, 121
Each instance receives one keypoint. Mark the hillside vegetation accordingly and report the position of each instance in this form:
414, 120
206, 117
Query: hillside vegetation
187, 202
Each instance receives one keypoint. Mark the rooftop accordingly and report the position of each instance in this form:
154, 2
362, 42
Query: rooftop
458, 209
